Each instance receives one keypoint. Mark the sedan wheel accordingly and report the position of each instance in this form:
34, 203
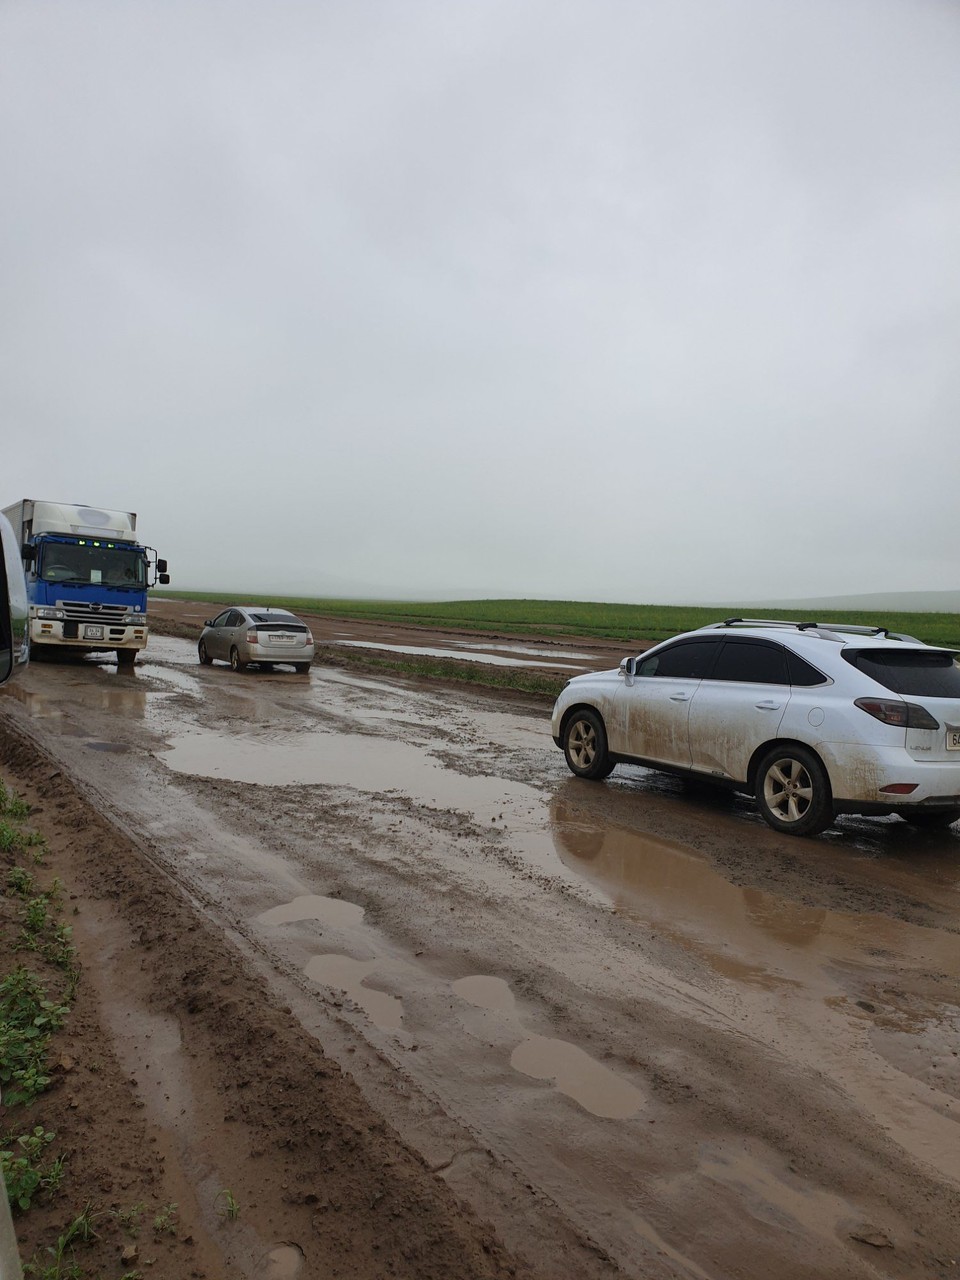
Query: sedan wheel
203, 655
236, 662
585, 746
793, 791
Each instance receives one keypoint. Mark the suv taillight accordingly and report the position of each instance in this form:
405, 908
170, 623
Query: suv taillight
905, 715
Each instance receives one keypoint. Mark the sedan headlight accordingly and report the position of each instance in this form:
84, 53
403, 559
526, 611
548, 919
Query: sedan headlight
56, 615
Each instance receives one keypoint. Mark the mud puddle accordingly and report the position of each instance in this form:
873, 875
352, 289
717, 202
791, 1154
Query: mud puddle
462, 655
572, 1071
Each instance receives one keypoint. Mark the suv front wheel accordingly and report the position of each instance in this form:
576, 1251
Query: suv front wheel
585, 746
793, 791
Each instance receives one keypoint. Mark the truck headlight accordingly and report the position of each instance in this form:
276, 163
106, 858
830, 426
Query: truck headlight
55, 615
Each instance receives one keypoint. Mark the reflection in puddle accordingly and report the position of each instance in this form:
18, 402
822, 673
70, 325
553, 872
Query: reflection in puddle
91, 692
343, 973
461, 655
574, 1073
313, 906
650, 879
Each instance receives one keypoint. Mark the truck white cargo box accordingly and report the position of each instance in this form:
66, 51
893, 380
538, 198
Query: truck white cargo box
34, 516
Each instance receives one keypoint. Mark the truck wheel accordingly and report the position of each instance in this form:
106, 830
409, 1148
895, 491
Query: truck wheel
126, 657
236, 662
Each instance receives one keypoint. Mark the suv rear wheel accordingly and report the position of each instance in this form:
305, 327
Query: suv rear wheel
585, 746
793, 791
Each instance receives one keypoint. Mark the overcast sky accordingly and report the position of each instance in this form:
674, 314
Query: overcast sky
649, 301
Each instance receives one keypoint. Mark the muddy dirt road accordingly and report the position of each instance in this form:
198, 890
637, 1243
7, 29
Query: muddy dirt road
633, 1028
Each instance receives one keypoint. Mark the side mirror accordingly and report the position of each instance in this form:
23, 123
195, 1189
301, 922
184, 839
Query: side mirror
163, 578
13, 604
162, 567
208, 623
628, 667
28, 554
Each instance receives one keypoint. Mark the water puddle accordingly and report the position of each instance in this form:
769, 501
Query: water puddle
282, 1263
334, 912
359, 761
575, 1074
571, 1071
343, 973
485, 993
461, 655
528, 649
650, 879
49, 703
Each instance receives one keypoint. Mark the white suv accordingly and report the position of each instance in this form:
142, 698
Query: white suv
813, 719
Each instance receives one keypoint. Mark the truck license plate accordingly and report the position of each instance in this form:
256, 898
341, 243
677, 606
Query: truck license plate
93, 633
953, 739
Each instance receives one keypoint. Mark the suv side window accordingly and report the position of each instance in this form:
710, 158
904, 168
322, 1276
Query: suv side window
690, 660
801, 672
753, 661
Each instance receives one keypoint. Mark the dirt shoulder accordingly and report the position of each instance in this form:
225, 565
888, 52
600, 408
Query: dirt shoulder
321, 1185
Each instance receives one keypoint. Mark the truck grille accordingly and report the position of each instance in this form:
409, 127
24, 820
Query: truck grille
77, 610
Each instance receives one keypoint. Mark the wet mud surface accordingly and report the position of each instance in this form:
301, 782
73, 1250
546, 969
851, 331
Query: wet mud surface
626, 1024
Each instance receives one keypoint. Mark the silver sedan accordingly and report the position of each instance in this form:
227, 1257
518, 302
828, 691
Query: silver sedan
259, 634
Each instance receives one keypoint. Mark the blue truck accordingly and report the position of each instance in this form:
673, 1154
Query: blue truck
87, 577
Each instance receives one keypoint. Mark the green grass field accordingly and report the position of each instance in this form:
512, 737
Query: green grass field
574, 617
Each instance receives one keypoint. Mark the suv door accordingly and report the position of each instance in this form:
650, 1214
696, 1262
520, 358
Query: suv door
650, 720
738, 707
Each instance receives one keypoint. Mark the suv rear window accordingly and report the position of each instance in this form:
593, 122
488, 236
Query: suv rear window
932, 674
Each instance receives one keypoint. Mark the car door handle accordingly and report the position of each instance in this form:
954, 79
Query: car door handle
680, 697
768, 706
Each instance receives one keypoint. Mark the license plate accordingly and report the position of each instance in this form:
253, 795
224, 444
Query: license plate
93, 633
953, 739
282, 639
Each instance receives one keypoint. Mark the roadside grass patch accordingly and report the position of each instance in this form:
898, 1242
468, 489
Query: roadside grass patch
38, 978
628, 622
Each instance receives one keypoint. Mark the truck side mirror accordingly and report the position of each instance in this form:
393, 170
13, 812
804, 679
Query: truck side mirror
27, 553
163, 578
161, 567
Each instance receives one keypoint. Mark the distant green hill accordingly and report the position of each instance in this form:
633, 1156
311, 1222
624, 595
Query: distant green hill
877, 601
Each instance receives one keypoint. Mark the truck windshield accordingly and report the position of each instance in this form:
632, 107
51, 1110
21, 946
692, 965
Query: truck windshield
110, 566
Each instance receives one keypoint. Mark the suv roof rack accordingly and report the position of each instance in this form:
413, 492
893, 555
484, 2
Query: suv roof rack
822, 627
